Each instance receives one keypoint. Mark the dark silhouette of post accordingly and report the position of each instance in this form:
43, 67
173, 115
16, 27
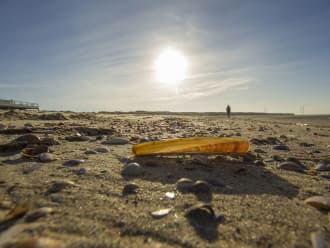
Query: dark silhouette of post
228, 110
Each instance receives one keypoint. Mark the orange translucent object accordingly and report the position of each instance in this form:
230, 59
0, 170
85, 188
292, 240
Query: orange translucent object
207, 145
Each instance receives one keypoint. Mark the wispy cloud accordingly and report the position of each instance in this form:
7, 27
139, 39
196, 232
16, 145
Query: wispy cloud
209, 88
14, 86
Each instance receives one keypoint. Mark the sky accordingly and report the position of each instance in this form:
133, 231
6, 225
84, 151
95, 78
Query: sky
82, 55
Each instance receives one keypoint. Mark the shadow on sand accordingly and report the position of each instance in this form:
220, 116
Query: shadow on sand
224, 176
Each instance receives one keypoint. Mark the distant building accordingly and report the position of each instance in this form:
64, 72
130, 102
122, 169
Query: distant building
13, 104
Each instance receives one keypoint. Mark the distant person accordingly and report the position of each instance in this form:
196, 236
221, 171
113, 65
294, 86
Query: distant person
228, 110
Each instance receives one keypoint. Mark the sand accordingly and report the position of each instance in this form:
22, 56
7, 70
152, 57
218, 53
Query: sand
262, 205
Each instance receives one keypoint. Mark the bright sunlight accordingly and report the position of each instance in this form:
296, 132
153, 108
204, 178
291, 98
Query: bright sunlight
171, 66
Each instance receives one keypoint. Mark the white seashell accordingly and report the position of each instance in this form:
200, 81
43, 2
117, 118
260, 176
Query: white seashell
161, 213
170, 195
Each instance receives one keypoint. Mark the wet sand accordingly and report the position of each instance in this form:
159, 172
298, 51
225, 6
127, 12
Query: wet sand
262, 205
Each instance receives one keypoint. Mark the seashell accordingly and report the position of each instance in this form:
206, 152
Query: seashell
46, 157
2, 126
85, 138
258, 150
5, 204
35, 151
102, 149
170, 195
319, 202
116, 141
151, 163
89, 151
200, 211
27, 139
29, 124
36, 242
31, 169
81, 171
19, 210
201, 186
200, 159
132, 169
161, 213
38, 213
124, 159
281, 147
49, 141
276, 157
321, 166
291, 166
318, 240
130, 188
59, 185
73, 162
184, 185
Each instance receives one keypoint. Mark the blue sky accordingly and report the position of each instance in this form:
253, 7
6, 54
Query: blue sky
99, 55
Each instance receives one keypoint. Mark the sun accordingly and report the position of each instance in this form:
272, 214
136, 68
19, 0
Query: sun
170, 66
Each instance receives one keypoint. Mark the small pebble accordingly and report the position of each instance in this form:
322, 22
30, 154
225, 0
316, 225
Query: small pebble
73, 162
319, 202
132, 169
161, 213
102, 149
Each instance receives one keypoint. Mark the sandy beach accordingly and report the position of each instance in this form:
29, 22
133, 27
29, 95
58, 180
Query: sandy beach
79, 194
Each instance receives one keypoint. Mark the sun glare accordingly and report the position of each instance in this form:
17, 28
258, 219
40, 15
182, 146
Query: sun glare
170, 66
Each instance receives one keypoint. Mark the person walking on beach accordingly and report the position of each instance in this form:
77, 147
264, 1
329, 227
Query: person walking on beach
228, 110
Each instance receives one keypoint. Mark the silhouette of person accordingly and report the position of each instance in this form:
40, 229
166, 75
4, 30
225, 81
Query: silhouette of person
228, 110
